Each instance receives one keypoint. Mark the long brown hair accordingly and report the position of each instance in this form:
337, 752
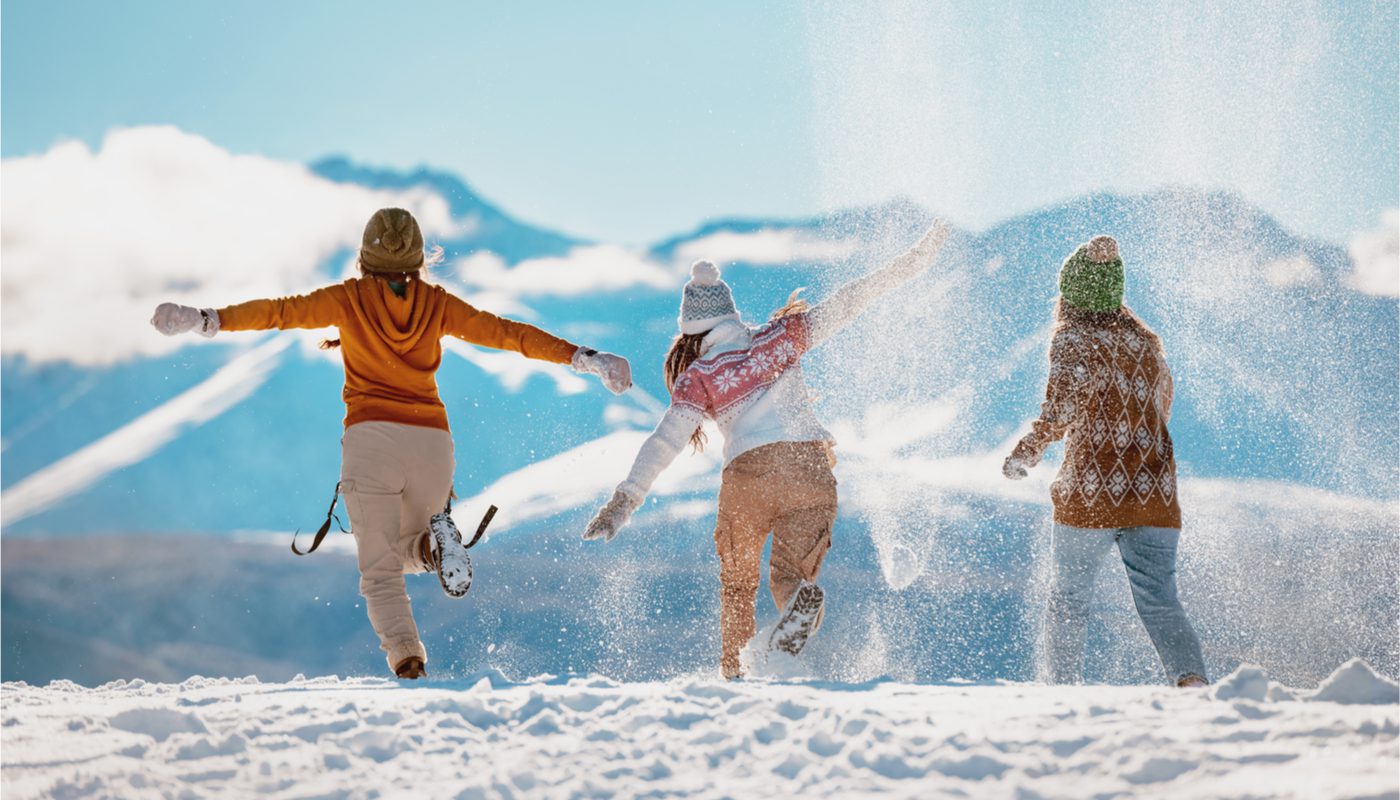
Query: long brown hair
685, 348
431, 258
1068, 317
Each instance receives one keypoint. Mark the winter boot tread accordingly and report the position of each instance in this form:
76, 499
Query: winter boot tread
454, 565
800, 619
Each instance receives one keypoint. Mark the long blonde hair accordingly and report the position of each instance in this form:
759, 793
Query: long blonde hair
432, 257
685, 348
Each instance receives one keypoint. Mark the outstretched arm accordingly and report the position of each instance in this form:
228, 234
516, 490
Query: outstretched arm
657, 453
1057, 413
847, 303
319, 309
471, 324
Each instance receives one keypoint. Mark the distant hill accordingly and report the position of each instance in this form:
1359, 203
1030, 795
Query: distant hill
146, 505
1283, 372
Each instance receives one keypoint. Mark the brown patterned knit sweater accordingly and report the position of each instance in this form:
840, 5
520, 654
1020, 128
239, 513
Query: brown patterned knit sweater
1109, 396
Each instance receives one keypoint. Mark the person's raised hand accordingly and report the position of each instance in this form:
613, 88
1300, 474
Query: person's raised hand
172, 319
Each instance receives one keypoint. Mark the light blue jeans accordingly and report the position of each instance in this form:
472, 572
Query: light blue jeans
1149, 556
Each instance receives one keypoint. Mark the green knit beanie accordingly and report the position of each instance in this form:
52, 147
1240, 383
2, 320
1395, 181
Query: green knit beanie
1092, 285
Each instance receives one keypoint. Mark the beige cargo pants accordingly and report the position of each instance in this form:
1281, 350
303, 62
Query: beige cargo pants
394, 478
786, 488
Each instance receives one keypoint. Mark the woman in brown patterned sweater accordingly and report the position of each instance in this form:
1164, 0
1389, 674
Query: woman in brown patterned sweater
1109, 397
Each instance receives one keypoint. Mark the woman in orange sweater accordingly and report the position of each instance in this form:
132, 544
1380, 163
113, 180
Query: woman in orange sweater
397, 457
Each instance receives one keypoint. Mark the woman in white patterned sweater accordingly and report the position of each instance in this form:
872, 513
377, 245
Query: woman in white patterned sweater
777, 476
1109, 396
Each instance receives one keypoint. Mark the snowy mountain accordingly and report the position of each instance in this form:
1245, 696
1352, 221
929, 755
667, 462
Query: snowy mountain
488, 227
1285, 429
1284, 373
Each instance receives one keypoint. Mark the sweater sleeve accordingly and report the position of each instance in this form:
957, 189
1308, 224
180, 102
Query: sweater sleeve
1067, 380
473, 325
1166, 388
660, 449
322, 308
849, 301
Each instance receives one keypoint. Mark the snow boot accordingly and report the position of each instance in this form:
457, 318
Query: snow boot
800, 620
1191, 681
454, 566
411, 669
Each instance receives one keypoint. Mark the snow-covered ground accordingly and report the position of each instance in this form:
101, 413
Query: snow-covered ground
696, 737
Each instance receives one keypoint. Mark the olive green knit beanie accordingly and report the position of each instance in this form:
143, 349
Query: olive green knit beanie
392, 242
1092, 278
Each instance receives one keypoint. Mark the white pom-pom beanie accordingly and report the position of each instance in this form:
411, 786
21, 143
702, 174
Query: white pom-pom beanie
707, 300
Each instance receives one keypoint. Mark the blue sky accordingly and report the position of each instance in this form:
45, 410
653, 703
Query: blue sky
631, 121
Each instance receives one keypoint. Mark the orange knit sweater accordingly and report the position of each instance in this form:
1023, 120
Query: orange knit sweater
392, 345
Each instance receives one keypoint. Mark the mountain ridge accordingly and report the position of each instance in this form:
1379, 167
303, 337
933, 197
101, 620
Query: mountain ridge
986, 297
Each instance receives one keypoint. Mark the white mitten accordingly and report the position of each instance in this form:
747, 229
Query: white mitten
924, 252
173, 318
1014, 468
615, 372
611, 517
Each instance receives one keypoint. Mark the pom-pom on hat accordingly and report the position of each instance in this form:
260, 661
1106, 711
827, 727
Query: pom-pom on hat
1092, 278
392, 242
706, 301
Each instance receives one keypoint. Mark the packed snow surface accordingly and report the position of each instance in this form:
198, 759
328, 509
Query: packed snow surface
593, 737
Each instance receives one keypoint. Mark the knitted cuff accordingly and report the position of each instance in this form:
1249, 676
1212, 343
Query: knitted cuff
582, 360
632, 492
1026, 453
398, 651
209, 322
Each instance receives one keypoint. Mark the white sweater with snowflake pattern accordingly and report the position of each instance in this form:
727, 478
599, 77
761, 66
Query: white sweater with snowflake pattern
749, 380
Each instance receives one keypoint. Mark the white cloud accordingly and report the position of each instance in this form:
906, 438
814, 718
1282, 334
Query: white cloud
766, 246
512, 370
590, 268
92, 241
1375, 258
609, 268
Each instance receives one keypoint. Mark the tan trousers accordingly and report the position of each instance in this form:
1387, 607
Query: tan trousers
786, 488
394, 478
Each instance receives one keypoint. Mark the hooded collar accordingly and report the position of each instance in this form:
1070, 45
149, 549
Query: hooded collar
400, 322
730, 334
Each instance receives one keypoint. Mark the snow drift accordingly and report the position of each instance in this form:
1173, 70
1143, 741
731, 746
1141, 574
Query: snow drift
587, 736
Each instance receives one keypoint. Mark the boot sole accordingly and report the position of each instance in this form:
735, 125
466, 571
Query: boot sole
808, 602
454, 573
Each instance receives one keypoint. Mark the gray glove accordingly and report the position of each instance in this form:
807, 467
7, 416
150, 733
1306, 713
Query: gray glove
615, 372
611, 517
173, 318
1015, 469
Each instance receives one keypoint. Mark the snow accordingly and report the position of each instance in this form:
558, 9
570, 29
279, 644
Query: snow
589, 736
1245, 683
1356, 682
